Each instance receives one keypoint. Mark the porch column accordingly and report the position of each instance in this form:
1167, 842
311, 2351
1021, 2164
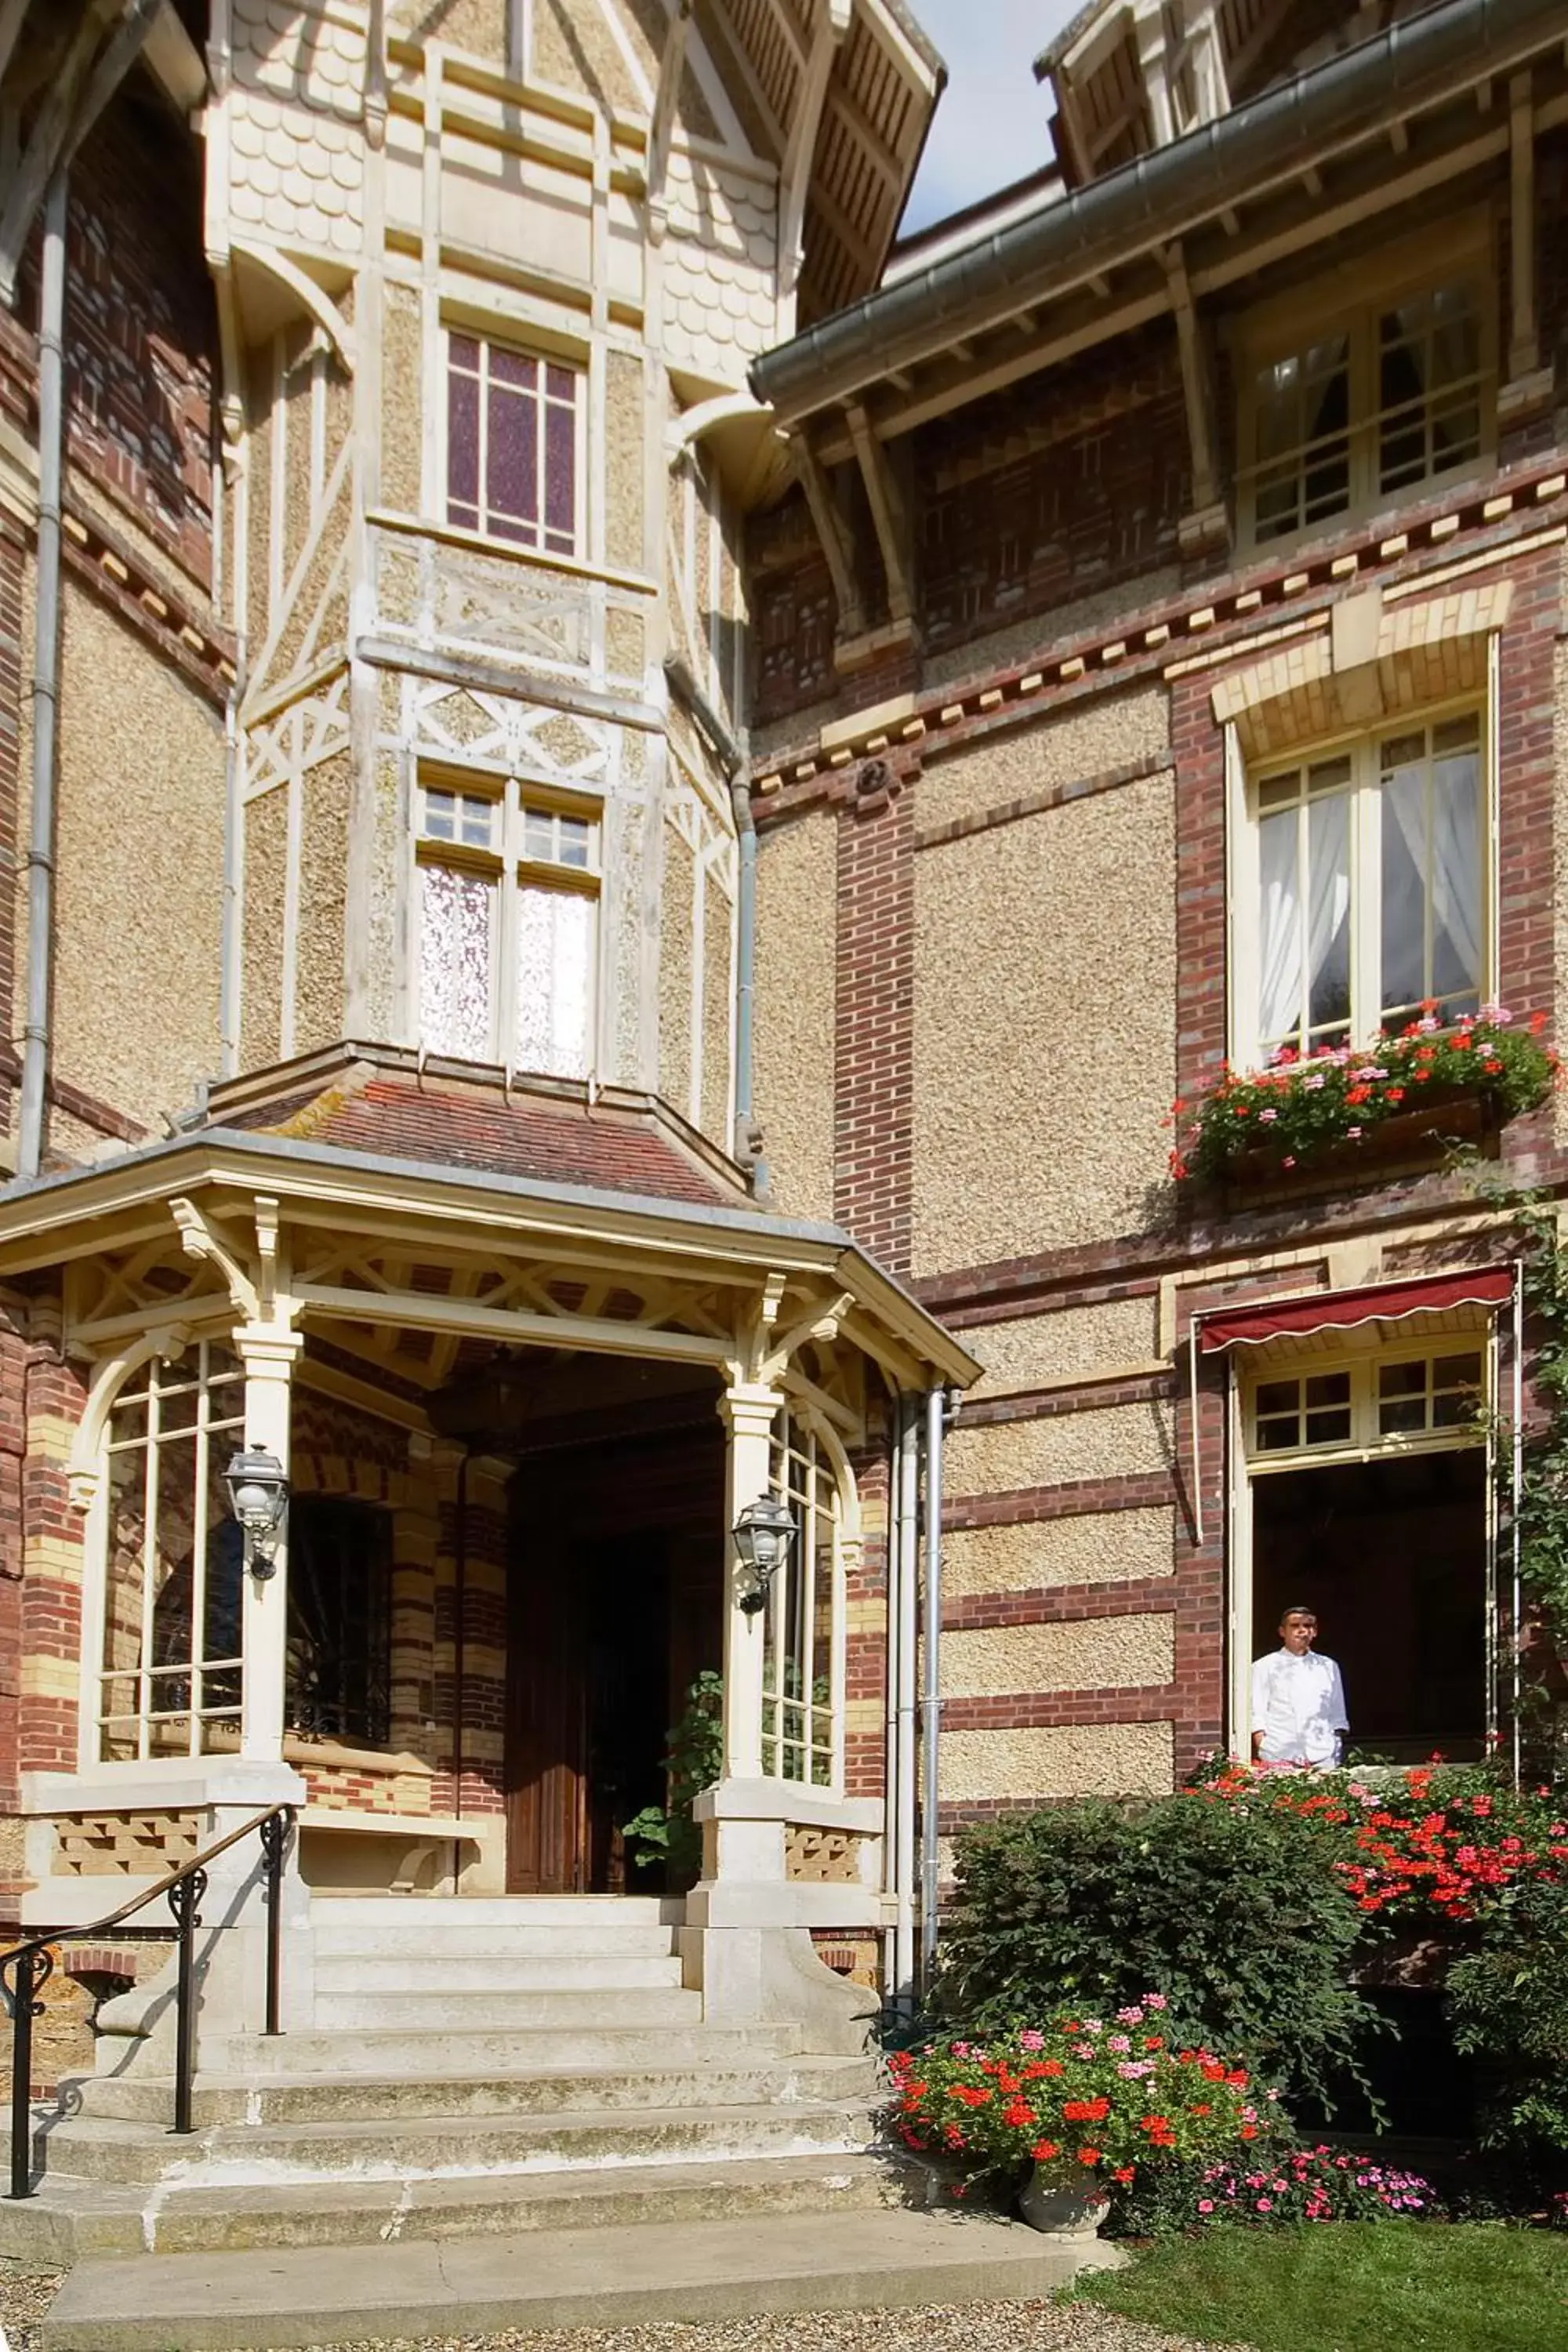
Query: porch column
267, 1351
748, 1411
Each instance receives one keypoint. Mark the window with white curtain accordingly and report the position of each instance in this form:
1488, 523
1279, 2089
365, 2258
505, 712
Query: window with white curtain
1383, 397
1368, 897
507, 897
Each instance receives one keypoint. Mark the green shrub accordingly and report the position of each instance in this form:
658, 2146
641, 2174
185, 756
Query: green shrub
694, 1759
1509, 2006
1236, 1912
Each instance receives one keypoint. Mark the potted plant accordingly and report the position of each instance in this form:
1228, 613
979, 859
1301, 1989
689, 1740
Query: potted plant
1340, 1104
1078, 2109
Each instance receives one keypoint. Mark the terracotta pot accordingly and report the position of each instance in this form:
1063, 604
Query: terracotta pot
1063, 2198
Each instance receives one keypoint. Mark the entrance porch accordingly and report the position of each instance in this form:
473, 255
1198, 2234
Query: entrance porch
518, 1421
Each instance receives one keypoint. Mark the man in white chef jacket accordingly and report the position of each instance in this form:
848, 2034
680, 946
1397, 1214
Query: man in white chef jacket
1298, 1701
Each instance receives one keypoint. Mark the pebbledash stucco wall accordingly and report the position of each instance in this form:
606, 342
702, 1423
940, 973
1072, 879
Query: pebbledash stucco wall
1045, 1026
1072, 1343
995, 1768
1056, 1449
1091, 1653
1085, 1548
138, 861
795, 985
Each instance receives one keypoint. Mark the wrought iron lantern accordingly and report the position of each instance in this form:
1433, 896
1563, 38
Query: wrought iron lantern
764, 1532
258, 1498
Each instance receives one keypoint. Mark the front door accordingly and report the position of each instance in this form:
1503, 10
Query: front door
547, 1715
613, 1606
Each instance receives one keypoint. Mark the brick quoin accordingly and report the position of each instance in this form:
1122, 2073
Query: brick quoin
874, 981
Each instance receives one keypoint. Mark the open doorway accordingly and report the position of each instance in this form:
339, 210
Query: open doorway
1392, 1554
614, 1608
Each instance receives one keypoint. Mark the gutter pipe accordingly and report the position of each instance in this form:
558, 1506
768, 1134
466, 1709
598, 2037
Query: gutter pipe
46, 681
905, 1660
936, 1420
731, 753
1159, 197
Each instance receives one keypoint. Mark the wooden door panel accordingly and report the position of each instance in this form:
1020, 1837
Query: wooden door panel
547, 1725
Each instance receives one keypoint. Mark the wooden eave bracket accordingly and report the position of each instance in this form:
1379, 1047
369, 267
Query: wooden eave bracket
310, 298
81, 89
833, 532
1197, 393
661, 130
888, 513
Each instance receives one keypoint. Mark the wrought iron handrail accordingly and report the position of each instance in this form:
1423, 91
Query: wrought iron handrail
33, 1965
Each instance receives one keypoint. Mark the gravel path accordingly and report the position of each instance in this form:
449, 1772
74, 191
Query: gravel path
948, 2327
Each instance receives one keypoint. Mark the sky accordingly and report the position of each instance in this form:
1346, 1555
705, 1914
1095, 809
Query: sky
990, 122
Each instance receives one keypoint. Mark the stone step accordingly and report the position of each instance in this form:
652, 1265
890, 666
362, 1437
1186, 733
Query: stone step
690, 2271
361, 1913
449, 1972
433, 2008
435, 1945
364, 2098
369, 2050
68, 2219
102, 2148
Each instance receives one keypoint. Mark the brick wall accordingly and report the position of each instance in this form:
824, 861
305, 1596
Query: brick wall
140, 338
873, 1074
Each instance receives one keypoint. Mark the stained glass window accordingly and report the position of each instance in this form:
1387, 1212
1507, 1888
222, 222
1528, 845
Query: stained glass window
512, 445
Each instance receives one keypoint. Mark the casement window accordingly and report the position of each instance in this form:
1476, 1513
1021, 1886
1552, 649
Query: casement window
514, 425
1371, 1404
169, 1663
508, 893
1362, 888
1378, 400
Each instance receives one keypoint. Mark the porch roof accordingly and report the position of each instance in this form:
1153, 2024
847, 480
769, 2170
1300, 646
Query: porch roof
51, 1220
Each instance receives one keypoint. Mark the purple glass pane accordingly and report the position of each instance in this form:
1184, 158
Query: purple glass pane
463, 352
463, 443
561, 383
513, 367
511, 487
559, 470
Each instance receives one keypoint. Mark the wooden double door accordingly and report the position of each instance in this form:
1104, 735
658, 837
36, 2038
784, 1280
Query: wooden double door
614, 1590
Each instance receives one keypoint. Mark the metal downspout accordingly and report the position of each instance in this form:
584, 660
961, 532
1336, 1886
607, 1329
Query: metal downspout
745, 962
906, 1772
936, 1412
45, 682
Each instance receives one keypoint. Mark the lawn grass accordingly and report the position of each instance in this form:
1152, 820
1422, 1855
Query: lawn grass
1390, 2287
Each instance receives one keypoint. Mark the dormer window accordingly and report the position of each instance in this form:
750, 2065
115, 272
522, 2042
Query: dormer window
1379, 399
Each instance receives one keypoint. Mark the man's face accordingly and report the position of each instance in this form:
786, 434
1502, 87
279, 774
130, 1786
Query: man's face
1299, 1632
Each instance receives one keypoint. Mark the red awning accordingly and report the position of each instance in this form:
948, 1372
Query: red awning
1345, 1310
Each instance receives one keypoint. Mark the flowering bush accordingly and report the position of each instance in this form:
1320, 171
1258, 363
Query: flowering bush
1447, 1842
1312, 2184
1300, 1108
1112, 2095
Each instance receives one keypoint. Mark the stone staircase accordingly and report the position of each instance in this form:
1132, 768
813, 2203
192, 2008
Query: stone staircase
505, 2065
487, 2075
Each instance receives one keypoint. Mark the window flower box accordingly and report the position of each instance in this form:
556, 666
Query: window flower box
1342, 1109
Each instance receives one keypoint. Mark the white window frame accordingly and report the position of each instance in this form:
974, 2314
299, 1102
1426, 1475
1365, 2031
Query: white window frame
158, 1376
1361, 1357
493, 336
1350, 302
506, 864
1244, 877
